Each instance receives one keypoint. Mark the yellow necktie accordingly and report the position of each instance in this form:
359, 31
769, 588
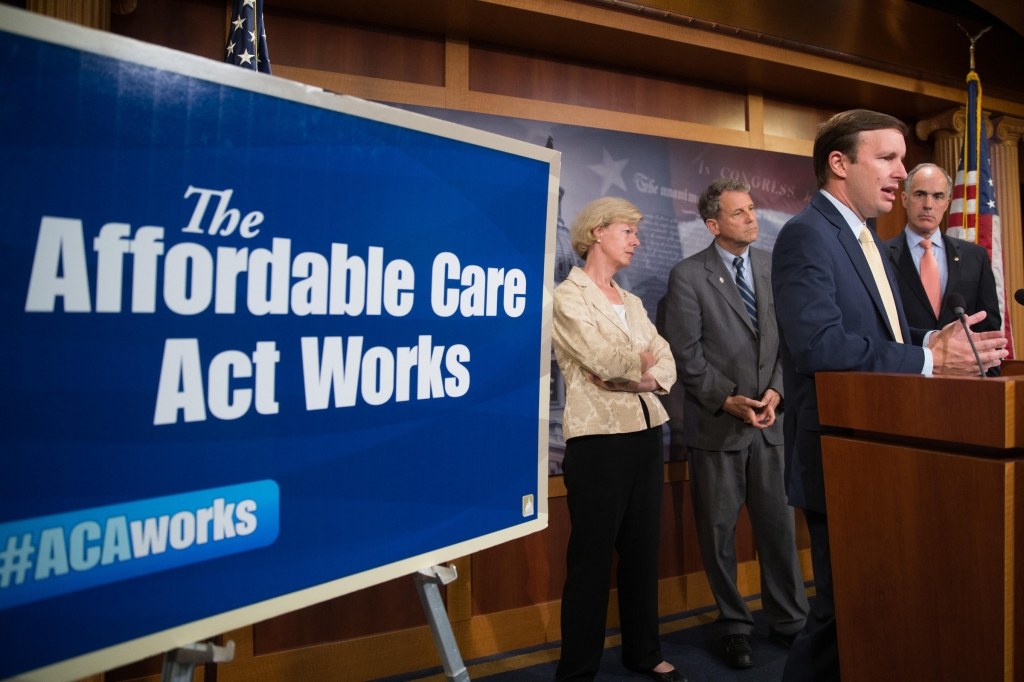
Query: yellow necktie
881, 281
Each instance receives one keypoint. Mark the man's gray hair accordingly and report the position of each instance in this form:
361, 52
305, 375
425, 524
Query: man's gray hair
709, 206
909, 182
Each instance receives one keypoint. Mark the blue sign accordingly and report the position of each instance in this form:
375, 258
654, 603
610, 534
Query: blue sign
262, 345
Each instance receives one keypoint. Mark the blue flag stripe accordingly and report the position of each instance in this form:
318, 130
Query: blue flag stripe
247, 37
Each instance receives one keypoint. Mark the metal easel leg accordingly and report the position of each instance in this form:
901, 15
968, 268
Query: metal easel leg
427, 582
180, 664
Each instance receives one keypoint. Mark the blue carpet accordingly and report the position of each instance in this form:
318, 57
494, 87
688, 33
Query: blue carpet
694, 650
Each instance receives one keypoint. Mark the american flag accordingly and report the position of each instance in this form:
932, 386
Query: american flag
247, 38
972, 214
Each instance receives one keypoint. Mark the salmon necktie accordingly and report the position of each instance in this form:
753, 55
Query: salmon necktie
867, 244
930, 277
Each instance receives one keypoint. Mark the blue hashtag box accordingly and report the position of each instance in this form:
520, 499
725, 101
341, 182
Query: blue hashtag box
51, 555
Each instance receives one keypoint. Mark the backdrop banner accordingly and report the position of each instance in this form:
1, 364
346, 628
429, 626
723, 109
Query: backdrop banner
664, 178
262, 345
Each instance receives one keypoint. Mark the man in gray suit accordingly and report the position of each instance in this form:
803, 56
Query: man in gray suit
720, 322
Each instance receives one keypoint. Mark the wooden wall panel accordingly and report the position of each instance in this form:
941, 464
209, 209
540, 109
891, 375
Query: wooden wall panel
803, 536
746, 549
394, 605
691, 549
674, 509
797, 121
525, 571
504, 72
324, 43
196, 26
153, 665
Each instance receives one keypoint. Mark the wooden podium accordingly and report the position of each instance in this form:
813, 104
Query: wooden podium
925, 505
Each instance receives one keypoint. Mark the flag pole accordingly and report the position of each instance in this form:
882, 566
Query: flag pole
972, 75
974, 39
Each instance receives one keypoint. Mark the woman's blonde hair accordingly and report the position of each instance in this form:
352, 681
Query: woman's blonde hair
601, 213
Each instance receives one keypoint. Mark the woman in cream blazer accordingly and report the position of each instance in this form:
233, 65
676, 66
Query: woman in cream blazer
614, 362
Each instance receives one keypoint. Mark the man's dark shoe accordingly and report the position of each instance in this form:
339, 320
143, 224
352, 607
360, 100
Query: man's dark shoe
737, 652
779, 639
670, 676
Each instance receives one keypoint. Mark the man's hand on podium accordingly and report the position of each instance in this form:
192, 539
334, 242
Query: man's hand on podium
951, 351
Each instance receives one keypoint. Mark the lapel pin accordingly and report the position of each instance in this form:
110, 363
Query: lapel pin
721, 281
956, 258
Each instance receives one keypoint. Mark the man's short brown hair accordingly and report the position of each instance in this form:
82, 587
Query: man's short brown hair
709, 205
841, 133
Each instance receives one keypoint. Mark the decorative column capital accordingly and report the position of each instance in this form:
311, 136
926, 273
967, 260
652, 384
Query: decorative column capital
947, 120
1009, 130
952, 121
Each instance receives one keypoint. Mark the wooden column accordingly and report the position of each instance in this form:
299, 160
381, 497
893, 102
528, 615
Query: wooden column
948, 129
1006, 180
91, 13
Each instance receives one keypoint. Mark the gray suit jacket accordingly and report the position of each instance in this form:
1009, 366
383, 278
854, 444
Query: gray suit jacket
717, 351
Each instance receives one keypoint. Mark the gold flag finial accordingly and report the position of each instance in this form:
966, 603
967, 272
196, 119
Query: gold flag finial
974, 39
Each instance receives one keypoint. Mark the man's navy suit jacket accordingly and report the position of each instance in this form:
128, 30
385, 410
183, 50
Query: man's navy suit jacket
831, 319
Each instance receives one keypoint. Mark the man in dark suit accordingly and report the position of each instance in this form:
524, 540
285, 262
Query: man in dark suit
838, 308
720, 322
930, 265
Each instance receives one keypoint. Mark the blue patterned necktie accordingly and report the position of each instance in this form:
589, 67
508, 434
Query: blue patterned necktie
749, 301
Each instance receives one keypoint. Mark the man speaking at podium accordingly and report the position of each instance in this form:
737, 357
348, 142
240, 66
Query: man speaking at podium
838, 309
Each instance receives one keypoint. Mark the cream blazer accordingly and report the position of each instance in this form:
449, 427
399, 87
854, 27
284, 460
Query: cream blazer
588, 336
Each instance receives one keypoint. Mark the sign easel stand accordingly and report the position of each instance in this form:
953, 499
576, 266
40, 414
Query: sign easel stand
428, 581
180, 664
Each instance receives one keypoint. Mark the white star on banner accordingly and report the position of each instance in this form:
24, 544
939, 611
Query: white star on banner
252, 36
245, 58
231, 49
249, 3
991, 204
610, 172
990, 182
237, 23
